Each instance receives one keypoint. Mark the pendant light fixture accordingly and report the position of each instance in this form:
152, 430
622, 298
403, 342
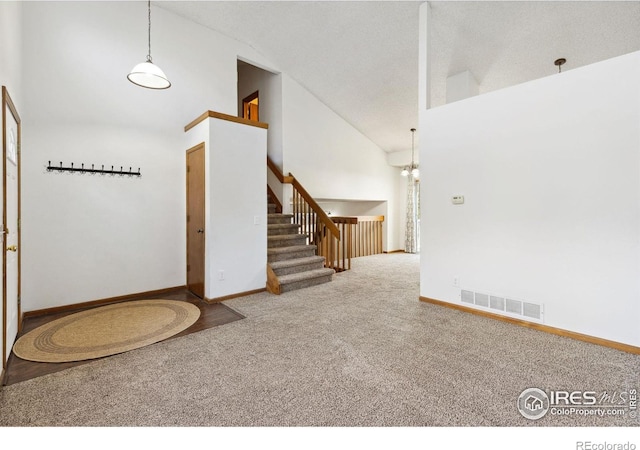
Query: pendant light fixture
559, 62
413, 168
147, 74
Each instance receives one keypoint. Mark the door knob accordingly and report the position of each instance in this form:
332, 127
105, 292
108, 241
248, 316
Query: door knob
12, 248
200, 230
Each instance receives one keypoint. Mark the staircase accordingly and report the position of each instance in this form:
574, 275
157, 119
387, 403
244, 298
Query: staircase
292, 263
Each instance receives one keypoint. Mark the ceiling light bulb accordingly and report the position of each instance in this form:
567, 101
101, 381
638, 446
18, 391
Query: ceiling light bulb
415, 172
405, 172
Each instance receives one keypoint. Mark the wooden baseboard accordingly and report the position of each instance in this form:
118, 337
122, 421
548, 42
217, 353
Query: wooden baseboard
393, 251
232, 296
537, 326
101, 302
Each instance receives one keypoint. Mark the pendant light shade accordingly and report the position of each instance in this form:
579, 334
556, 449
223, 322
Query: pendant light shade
147, 74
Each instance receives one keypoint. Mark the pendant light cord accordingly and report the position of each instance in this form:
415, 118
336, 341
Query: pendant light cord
149, 17
413, 134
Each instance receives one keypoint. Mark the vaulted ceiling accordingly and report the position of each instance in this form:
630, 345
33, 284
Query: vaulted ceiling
361, 58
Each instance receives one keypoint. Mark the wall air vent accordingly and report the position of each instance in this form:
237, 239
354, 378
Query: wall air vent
531, 310
496, 303
514, 306
502, 305
482, 300
467, 297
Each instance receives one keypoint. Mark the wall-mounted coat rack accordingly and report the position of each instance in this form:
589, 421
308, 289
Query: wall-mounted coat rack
93, 170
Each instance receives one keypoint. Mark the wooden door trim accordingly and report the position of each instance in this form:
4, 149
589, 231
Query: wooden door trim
8, 102
248, 99
195, 148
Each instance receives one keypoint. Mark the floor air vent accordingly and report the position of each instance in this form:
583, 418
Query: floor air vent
503, 305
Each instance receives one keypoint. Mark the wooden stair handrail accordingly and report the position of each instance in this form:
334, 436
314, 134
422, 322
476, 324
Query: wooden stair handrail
276, 171
290, 179
324, 218
356, 219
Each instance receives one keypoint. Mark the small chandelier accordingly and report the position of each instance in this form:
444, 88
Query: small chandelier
147, 74
413, 168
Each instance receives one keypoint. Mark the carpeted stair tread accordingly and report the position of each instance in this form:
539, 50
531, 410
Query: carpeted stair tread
302, 276
275, 229
273, 218
285, 240
303, 263
303, 280
290, 249
275, 254
296, 262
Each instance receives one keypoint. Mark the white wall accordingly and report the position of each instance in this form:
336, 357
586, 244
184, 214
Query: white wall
333, 160
461, 86
550, 171
10, 48
236, 237
87, 238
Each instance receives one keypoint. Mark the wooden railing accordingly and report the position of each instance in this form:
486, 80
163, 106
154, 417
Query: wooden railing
318, 227
315, 224
363, 234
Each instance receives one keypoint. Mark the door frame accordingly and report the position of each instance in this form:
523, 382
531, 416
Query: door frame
245, 103
200, 146
7, 102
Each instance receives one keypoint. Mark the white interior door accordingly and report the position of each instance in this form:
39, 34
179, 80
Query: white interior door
10, 230
11, 239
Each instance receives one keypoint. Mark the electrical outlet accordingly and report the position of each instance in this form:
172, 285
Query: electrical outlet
221, 275
456, 281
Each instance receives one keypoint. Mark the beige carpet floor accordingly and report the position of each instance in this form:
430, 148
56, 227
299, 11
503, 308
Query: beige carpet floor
359, 351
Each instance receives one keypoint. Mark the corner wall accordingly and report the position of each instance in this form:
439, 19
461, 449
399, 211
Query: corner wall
550, 171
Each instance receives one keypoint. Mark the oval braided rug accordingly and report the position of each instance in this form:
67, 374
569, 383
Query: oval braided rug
106, 330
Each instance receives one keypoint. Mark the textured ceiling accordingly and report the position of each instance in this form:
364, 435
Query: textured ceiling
361, 58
